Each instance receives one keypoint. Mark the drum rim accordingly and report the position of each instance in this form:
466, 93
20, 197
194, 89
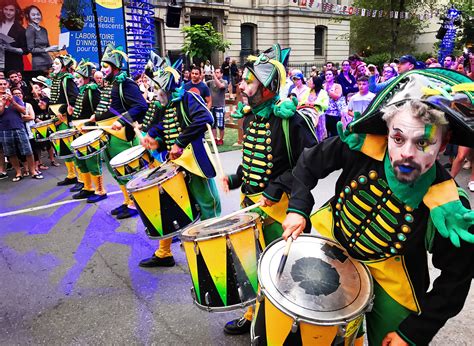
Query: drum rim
137, 189
88, 156
342, 321
60, 134
224, 308
127, 162
102, 132
68, 156
190, 238
175, 233
42, 123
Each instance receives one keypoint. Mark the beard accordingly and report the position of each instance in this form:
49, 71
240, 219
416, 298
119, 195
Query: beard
406, 171
256, 99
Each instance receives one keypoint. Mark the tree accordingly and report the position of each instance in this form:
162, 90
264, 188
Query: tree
370, 35
201, 40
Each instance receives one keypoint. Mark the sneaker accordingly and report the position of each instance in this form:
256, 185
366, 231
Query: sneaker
76, 188
3, 175
126, 213
238, 326
96, 198
67, 181
83, 194
118, 210
467, 165
471, 186
155, 261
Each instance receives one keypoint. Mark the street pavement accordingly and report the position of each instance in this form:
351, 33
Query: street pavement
69, 273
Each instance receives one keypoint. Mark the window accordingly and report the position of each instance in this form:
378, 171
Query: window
158, 39
319, 40
247, 38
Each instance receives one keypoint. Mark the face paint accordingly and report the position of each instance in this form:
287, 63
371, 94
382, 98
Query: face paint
57, 66
79, 80
412, 146
106, 70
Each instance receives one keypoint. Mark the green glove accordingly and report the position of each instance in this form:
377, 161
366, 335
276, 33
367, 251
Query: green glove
285, 109
453, 220
353, 140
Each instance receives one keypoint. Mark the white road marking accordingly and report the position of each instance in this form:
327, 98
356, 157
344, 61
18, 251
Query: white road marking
46, 206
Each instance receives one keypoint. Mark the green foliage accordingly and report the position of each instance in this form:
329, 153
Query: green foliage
424, 56
378, 59
201, 40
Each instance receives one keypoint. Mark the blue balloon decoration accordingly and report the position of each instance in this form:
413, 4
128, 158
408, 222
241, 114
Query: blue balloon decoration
446, 46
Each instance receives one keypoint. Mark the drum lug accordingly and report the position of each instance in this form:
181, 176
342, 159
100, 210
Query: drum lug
176, 225
161, 190
256, 231
206, 299
294, 326
341, 331
254, 341
229, 244
260, 295
193, 293
370, 305
196, 248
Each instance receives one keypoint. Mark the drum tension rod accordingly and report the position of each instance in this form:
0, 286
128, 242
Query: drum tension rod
294, 326
196, 248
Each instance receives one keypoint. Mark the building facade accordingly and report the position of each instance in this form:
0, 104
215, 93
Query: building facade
254, 25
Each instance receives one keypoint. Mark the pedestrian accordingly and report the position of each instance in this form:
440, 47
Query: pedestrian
225, 68
197, 86
11, 18
208, 71
336, 103
361, 100
346, 80
218, 87
234, 70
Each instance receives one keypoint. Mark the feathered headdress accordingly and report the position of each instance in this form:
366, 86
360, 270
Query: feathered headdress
114, 55
163, 73
84, 68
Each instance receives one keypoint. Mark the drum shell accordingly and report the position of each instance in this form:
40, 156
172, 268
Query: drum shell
43, 130
223, 267
135, 163
165, 207
86, 149
62, 140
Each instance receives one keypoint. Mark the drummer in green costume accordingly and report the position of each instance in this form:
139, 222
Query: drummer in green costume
86, 103
180, 122
63, 98
120, 97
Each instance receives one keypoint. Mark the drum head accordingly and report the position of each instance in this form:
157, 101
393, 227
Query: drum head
127, 155
320, 283
63, 134
42, 123
234, 224
152, 177
87, 138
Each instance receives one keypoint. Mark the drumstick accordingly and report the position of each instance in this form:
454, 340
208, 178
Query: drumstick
235, 213
220, 171
284, 257
95, 127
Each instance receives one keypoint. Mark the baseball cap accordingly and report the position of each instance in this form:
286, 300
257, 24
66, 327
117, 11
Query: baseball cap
298, 75
42, 80
408, 58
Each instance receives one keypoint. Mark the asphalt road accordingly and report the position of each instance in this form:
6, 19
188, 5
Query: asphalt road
69, 274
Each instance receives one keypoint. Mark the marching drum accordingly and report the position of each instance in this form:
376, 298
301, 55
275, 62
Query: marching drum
90, 144
320, 298
62, 142
43, 129
131, 161
222, 260
163, 201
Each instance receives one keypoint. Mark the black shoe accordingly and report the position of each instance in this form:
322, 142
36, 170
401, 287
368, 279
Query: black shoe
83, 194
76, 188
67, 181
238, 326
3, 175
118, 210
155, 261
96, 198
126, 213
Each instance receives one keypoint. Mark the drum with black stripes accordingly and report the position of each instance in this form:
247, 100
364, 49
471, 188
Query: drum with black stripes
131, 161
90, 144
320, 298
62, 141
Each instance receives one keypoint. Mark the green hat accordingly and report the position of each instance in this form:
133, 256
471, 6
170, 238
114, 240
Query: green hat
442, 89
114, 56
66, 60
85, 68
164, 74
269, 67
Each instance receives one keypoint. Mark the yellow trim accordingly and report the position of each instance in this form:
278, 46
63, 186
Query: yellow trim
323, 221
375, 238
276, 211
350, 216
376, 191
362, 247
260, 132
441, 193
254, 176
375, 146
384, 224
393, 207
346, 231
360, 203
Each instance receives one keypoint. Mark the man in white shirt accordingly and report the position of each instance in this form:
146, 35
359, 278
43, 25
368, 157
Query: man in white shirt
361, 100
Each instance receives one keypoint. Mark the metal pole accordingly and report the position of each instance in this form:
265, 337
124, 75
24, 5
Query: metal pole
97, 31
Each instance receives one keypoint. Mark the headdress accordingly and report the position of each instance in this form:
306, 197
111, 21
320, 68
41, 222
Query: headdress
114, 55
85, 68
163, 73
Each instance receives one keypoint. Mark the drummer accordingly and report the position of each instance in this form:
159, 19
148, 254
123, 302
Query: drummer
274, 137
122, 96
63, 98
86, 103
185, 116
391, 198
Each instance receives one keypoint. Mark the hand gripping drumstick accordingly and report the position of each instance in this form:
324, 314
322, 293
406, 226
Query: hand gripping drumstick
235, 213
284, 257
220, 171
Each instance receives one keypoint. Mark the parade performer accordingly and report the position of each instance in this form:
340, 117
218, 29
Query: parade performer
275, 134
122, 103
63, 98
394, 202
86, 103
179, 126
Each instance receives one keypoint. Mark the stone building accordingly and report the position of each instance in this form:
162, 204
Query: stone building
254, 25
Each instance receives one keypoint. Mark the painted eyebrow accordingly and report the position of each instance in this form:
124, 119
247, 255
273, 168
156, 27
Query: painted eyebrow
397, 129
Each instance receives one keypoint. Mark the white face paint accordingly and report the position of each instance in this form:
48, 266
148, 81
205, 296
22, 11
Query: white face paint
412, 146
79, 80
57, 65
106, 70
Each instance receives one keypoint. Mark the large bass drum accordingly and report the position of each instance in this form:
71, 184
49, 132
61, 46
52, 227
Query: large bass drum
320, 298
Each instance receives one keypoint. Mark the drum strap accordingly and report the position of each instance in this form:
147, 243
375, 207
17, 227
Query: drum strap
286, 132
90, 99
65, 90
184, 114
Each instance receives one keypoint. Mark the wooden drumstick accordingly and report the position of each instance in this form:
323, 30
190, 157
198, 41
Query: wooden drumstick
220, 171
284, 257
95, 127
235, 213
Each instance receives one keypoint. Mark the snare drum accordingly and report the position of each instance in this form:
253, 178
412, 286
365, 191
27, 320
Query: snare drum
320, 298
90, 144
62, 142
222, 260
131, 161
163, 201
42, 130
